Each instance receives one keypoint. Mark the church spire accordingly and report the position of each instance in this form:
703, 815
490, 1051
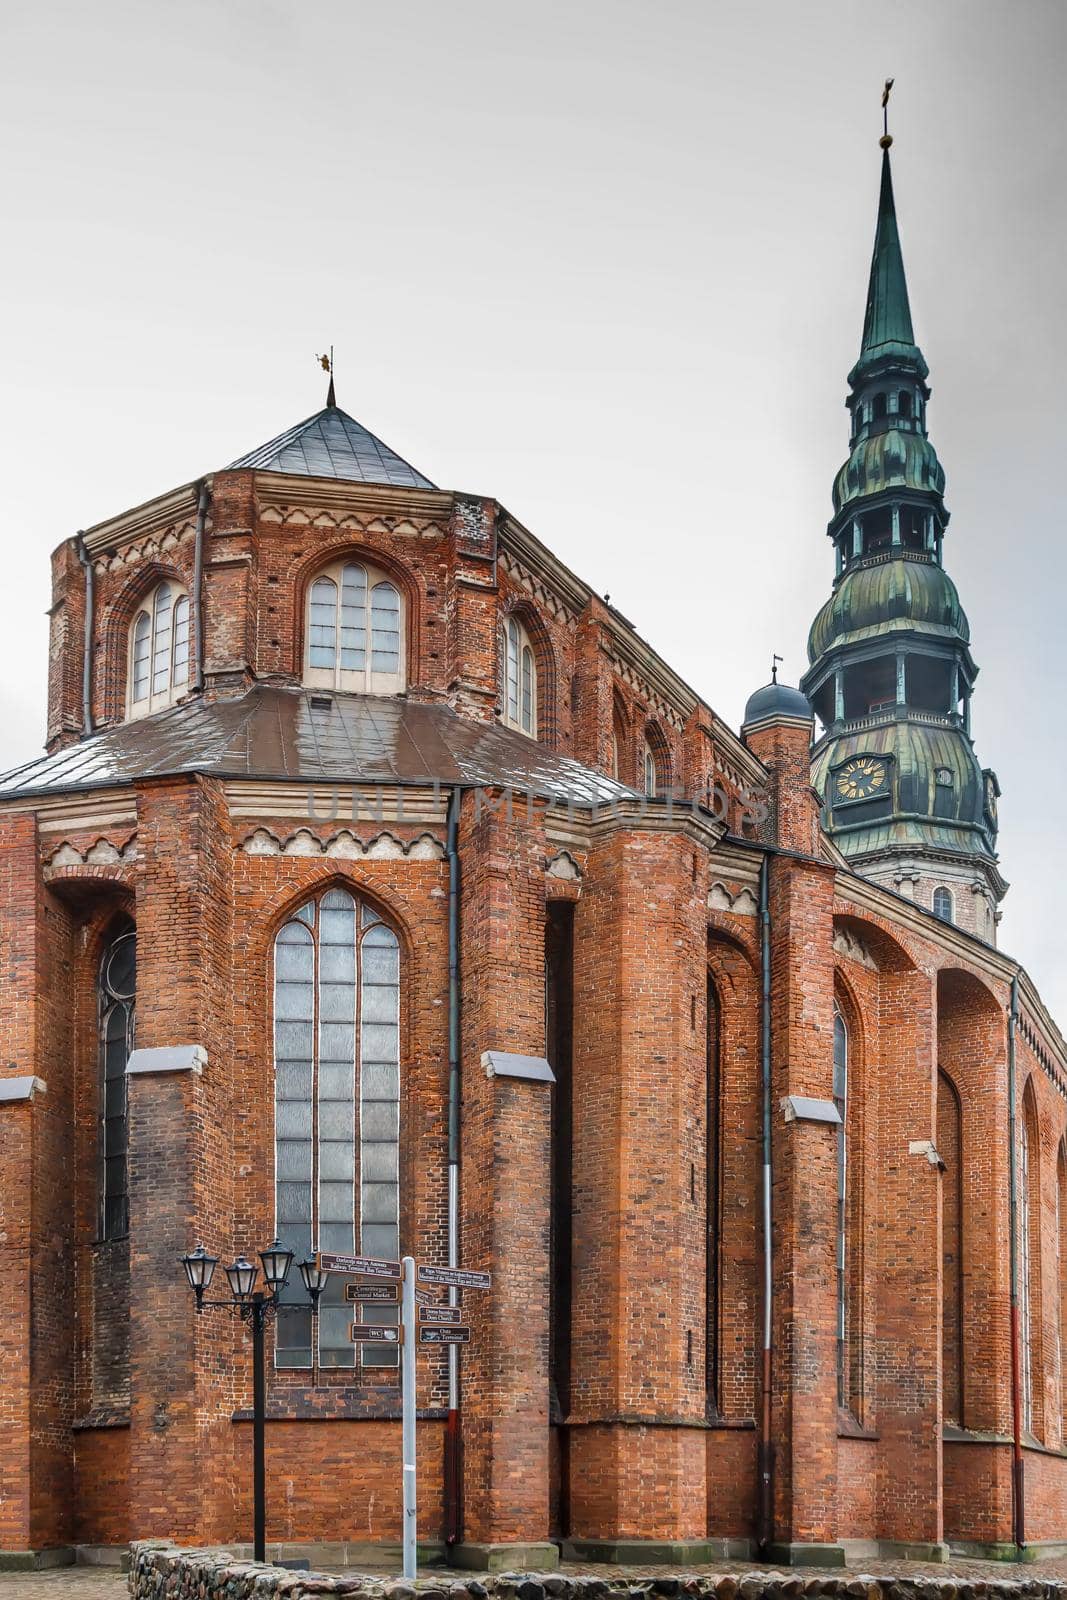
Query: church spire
887, 331
888, 316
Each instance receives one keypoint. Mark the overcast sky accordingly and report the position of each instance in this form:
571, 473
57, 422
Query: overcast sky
603, 260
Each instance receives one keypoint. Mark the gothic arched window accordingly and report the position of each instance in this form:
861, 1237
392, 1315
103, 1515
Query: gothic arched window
950, 1149
943, 907
841, 1103
337, 1110
650, 772
1029, 1264
158, 651
116, 995
355, 631
520, 678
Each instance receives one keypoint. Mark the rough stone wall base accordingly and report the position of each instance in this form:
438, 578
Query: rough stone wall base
36, 1560
657, 1552
538, 1557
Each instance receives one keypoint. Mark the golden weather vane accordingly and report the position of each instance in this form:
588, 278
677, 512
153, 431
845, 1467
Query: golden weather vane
887, 138
326, 363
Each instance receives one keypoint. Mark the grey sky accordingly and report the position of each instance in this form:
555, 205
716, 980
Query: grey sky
604, 261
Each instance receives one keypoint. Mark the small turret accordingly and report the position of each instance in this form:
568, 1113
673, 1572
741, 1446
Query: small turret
777, 729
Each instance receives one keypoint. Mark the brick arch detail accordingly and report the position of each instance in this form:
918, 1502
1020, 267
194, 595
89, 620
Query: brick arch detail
114, 632
544, 660
657, 742
733, 972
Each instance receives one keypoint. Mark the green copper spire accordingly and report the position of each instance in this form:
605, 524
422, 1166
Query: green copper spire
887, 330
888, 315
891, 677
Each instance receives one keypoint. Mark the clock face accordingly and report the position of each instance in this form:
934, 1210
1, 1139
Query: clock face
861, 778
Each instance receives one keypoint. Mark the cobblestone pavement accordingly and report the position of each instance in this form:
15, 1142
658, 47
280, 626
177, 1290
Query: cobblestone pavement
80, 1583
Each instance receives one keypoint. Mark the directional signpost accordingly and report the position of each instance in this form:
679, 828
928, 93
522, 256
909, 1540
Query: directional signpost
424, 1320
444, 1336
366, 1294
439, 1314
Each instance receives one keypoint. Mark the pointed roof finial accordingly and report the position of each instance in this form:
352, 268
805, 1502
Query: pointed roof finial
887, 138
326, 363
774, 667
887, 329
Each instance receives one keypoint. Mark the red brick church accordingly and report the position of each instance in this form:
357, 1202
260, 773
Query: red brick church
383, 890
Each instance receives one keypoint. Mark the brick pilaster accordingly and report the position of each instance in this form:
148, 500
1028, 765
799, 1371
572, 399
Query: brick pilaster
180, 1173
638, 1373
505, 1179
804, 1416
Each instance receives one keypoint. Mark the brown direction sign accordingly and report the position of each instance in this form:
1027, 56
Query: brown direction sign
444, 1336
358, 1266
456, 1277
371, 1333
369, 1293
440, 1314
424, 1298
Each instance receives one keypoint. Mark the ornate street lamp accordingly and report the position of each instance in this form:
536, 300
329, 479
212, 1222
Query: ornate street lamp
199, 1269
256, 1307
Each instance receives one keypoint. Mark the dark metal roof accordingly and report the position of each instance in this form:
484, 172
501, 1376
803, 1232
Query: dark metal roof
331, 444
777, 700
313, 737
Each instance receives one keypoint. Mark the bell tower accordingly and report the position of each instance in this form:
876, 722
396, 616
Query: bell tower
892, 674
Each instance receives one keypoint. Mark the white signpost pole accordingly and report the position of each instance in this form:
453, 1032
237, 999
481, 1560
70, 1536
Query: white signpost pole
408, 1348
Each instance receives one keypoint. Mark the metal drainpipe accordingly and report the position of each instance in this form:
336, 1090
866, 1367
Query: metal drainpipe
203, 500
87, 656
765, 1455
1018, 1503
453, 1446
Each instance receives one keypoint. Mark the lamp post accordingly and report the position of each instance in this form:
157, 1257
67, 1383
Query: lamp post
256, 1308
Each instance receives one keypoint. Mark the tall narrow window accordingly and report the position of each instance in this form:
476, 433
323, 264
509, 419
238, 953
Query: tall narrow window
159, 651
1030, 1265
355, 631
650, 774
116, 992
337, 1110
943, 904
1025, 1278
950, 1149
520, 678
841, 1103
1061, 1266
714, 1206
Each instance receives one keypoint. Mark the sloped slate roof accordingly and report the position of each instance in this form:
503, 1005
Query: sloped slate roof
331, 444
281, 733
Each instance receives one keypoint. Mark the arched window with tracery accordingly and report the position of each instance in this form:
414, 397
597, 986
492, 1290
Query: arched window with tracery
116, 997
950, 1149
337, 1110
1030, 1264
158, 651
842, 1261
1061, 1279
713, 1335
520, 678
355, 631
